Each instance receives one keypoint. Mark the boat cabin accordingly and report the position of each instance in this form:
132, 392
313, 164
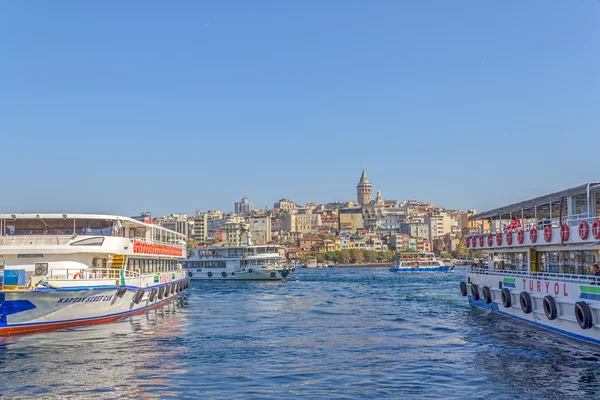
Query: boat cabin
555, 233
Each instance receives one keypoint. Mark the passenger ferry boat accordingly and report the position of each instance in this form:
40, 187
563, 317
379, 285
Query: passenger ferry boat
62, 270
259, 262
420, 263
541, 254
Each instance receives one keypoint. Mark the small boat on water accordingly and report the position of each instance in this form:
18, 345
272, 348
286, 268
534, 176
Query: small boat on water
420, 263
543, 257
259, 262
63, 270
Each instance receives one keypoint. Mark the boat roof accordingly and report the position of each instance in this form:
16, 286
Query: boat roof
103, 217
526, 204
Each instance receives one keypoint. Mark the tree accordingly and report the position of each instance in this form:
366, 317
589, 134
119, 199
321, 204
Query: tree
476, 254
388, 255
445, 254
344, 256
320, 257
461, 250
356, 255
371, 255
191, 243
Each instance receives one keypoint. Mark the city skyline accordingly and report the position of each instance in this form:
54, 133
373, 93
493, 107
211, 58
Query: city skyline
195, 105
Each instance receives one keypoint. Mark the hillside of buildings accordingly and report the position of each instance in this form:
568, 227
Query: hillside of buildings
353, 231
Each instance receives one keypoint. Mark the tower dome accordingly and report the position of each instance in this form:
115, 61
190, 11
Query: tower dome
364, 190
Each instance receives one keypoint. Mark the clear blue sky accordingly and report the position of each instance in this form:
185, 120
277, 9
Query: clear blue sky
124, 106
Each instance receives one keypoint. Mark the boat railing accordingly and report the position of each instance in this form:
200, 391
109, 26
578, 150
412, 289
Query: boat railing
34, 240
576, 278
91, 273
571, 221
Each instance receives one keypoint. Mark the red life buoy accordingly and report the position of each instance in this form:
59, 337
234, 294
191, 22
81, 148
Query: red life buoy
509, 238
480, 241
564, 232
474, 241
520, 236
490, 241
596, 229
533, 235
548, 234
499, 238
584, 230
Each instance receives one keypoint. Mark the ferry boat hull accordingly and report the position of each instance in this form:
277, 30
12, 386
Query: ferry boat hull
440, 269
27, 311
565, 296
250, 275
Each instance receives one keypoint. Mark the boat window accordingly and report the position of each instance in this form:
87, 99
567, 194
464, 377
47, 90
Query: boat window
580, 208
511, 261
559, 208
566, 262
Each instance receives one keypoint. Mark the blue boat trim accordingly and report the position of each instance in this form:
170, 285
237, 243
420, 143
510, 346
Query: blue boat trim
104, 287
494, 307
123, 314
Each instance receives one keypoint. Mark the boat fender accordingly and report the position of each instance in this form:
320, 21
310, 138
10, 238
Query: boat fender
525, 300
487, 294
153, 294
161, 292
474, 291
137, 297
209, 274
550, 307
506, 298
463, 289
121, 291
583, 313
190, 274
223, 274
250, 270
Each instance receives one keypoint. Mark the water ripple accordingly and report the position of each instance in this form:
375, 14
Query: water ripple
335, 333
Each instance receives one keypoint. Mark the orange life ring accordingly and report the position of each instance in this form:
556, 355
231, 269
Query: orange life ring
533, 235
509, 238
584, 230
520, 236
77, 275
596, 229
548, 234
490, 241
480, 241
499, 238
467, 243
474, 241
564, 232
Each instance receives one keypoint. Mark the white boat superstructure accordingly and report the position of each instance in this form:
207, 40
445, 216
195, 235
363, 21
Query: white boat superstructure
259, 262
420, 263
542, 262
59, 270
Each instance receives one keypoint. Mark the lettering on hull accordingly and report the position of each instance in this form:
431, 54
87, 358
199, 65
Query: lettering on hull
546, 287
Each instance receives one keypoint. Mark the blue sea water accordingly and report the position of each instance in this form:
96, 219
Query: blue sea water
356, 333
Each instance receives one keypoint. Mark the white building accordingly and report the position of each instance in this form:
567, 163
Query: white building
260, 229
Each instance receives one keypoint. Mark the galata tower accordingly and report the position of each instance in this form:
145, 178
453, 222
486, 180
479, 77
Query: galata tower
364, 191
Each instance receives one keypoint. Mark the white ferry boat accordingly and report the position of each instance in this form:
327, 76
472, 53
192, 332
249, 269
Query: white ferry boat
420, 263
259, 262
541, 262
62, 270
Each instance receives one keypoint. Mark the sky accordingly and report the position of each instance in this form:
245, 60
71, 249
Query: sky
120, 107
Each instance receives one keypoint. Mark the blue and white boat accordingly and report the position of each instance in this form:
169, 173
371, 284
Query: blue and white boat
543, 255
420, 263
64, 270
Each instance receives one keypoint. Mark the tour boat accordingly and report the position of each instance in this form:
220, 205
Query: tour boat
62, 270
420, 263
540, 256
258, 262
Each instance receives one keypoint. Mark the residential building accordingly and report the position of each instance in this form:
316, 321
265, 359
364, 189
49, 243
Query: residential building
276, 225
304, 223
236, 232
178, 223
350, 219
307, 243
285, 205
260, 229
243, 207
415, 229
200, 230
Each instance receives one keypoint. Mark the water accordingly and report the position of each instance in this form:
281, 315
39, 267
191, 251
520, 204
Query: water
332, 333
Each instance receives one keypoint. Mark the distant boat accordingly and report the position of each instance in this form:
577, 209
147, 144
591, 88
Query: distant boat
420, 263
